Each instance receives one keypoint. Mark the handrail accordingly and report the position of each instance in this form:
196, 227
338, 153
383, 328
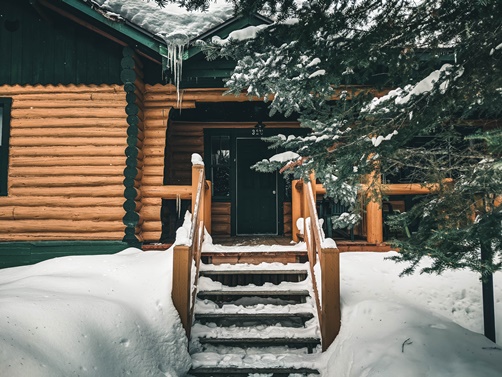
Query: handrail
327, 293
187, 256
198, 199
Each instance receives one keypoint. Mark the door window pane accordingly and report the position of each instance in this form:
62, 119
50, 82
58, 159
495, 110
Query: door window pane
5, 106
1, 124
220, 165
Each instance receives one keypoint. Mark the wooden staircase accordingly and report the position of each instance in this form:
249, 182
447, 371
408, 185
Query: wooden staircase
255, 312
254, 318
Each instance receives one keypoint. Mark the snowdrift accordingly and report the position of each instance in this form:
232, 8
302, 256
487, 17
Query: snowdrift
107, 315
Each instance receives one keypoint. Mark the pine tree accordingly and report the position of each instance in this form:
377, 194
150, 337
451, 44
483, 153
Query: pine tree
327, 60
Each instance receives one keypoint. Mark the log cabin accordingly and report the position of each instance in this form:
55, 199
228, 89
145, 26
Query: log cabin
96, 142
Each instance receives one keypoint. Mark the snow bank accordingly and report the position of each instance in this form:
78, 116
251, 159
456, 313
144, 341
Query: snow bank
420, 325
107, 315
112, 315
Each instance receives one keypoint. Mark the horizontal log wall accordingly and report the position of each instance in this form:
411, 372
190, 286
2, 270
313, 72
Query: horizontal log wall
288, 219
66, 163
156, 115
220, 213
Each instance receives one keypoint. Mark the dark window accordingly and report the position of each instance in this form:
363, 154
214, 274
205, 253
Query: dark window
5, 105
220, 166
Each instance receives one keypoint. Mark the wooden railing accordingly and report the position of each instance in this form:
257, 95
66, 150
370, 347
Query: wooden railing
186, 256
324, 261
373, 219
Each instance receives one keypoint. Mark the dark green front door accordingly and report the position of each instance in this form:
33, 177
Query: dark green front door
256, 194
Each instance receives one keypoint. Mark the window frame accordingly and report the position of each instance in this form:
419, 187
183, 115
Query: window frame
6, 105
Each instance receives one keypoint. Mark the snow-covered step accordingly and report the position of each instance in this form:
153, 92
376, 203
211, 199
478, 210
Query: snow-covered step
230, 364
254, 319
309, 330
254, 297
244, 273
309, 343
207, 284
253, 268
256, 292
265, 371
248, 306
217, 292
229, 255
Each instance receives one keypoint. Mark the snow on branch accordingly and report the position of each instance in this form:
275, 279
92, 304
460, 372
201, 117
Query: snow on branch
246, 33
401, 97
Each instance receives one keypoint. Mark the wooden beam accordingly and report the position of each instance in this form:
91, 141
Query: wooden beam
167, 192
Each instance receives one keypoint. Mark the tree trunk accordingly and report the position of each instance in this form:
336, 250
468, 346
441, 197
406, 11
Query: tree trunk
488, 300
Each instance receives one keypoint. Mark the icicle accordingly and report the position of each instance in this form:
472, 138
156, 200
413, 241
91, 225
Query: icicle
178, 205
176, 43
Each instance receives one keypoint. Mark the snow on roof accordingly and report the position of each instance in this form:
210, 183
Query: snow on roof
172, 18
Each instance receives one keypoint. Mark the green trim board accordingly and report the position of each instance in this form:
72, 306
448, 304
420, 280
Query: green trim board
124, 27
13, 254
5, 108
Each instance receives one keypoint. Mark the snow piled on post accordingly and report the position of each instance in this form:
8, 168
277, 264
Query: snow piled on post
197, 159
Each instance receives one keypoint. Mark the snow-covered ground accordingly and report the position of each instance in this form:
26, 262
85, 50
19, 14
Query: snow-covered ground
112, 315
420, 325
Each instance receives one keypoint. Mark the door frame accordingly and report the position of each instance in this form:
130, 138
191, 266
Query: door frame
247, 132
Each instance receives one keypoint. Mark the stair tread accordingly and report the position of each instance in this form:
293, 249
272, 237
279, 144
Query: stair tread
265, 267
207, 306
310, 330
263, 361
251, 370
253, 272
261, 339
261, 292
255, 315
256, 251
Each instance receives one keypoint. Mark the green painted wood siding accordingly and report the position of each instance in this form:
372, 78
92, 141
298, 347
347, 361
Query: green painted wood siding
34, 50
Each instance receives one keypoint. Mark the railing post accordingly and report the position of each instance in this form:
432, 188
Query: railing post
306, 214
207, 205
374, 213
314, 185
296, 207
330, 283
182, 283
196, 169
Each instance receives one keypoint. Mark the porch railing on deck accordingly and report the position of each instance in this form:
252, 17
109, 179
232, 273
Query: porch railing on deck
186, 258
327, 257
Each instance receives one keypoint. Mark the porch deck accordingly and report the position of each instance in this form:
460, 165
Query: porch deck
343, 245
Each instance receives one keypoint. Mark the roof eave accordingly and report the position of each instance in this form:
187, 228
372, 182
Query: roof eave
119, 30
